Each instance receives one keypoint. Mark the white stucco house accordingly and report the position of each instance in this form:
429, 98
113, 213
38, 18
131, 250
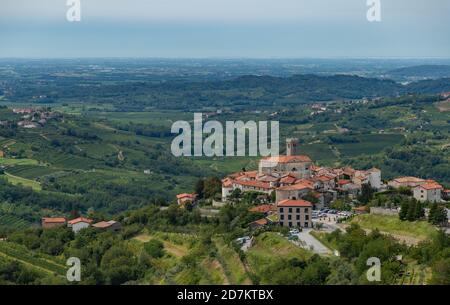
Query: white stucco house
79, 223
429, 191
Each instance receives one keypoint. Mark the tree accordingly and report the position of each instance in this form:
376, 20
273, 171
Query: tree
437, 214
311, 198
366, 193
199, 187
402, 215
154, 248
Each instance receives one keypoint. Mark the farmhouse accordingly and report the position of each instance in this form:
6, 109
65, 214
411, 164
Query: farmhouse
258, 223
79, 223
108, 225
52, 222
185, 198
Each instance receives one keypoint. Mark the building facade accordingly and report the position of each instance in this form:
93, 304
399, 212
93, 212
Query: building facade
295, 213
431, 192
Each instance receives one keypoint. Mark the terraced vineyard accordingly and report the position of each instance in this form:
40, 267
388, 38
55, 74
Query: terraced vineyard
8, 221
39, 262
33, 172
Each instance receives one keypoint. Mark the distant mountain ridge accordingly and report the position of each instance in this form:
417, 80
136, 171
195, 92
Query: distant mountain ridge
422, 71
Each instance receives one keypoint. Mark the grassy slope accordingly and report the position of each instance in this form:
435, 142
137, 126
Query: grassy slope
25, 182
268, 248
170, 269
393, 225
232, 264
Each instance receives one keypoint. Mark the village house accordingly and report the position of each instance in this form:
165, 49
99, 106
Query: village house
429, 191
259, 223
52, 222
111, 225
294, 191
265, 209
298, 166
79, 223
185, 198
406, 182
295, 213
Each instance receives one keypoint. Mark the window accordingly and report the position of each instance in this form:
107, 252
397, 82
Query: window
290, 224
281, 217
298, 224
297, 217
298, 210
290, 210
281, 210
306, 225
306, 210
306, 217
289, 217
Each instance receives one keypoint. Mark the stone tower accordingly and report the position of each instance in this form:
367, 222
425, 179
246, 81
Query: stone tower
292, 146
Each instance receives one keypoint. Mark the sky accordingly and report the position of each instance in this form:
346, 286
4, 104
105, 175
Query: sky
224, 29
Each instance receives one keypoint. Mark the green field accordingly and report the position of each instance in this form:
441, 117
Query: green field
318, 152
165, 118
392, 224
31, 171
369, 144
9, 161
15, 180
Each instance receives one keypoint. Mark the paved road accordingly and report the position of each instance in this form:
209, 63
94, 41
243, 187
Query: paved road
311, 243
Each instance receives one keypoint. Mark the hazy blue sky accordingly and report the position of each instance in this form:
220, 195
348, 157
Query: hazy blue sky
225, 28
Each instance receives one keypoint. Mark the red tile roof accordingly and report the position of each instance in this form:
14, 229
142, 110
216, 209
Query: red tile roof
253, 183
344, 182
288, 179
185, 195
54, 220
261, 222
294, 203
265, 208
408, 180
431, 186
104, 224
288, 159
79, 219
227, 182
296, 187
325, 178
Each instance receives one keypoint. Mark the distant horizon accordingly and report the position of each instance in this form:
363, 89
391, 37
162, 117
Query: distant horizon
233, 58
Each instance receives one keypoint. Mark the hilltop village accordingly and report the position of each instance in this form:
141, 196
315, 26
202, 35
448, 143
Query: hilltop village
293, 187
